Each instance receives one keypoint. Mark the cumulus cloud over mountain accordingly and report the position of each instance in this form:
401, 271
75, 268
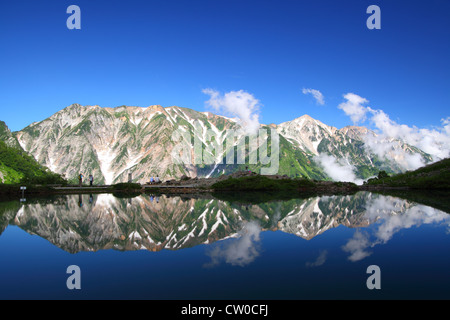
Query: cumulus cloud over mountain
433, 141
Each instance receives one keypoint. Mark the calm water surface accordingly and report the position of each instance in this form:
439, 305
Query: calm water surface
150, 247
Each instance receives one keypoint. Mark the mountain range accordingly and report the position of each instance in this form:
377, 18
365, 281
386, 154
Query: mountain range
110, 143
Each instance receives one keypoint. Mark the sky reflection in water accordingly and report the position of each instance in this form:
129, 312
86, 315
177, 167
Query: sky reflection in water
314, 248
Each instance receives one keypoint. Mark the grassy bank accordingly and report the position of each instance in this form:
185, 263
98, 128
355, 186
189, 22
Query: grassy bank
435, 176
258, 183
261, 183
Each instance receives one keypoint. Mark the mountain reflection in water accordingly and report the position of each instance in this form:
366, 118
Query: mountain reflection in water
77, 223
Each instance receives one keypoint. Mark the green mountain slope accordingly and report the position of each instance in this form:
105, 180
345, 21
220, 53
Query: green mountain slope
433, 176
16, 166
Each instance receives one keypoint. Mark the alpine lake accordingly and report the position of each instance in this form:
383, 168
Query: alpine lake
226, 246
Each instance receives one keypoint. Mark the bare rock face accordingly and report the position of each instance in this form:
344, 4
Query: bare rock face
306, 132
111, 142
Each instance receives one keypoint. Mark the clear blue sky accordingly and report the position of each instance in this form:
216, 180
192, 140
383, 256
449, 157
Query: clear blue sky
144, 52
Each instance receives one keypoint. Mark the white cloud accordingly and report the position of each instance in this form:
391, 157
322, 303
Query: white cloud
392, 215
240, 104
316, 94
435, 142
241, 251
337, 170
393, 149
413, 161
319, 261
357, 246
446, 125
354, 108
385, 143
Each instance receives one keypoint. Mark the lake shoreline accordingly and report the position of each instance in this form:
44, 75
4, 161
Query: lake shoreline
181, 189
240, 182
438, 198
322, 187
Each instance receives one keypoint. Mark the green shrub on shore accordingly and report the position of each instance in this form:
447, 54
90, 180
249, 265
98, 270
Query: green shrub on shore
261, 183
127, 186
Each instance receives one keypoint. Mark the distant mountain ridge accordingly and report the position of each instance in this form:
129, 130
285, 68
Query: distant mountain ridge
112, 142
